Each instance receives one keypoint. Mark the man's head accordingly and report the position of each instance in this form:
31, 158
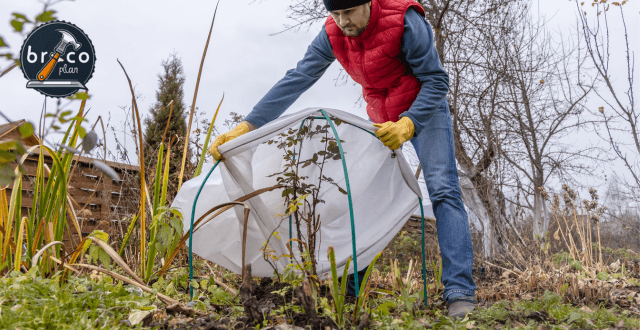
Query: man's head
352, 16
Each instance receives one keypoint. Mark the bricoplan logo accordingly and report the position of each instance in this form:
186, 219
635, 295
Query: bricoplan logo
58, 59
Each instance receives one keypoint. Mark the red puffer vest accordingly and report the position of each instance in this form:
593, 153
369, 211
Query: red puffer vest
373, 59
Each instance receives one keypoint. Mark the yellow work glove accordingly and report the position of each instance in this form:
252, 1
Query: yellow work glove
394, 134
226, 137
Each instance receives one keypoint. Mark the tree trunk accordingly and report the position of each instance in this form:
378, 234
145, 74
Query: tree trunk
471, 200
540, 215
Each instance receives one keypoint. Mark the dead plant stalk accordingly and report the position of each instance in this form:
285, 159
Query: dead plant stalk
143, 186
193, 104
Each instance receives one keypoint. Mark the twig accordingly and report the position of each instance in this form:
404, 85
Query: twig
517, 271
143, 181
65, 265
167, 300
116, 258
168, 121
8, 69
220, 284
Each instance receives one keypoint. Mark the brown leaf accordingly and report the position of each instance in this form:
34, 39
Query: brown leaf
621, 297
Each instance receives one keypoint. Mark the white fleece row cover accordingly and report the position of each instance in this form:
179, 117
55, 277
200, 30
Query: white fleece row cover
384, 192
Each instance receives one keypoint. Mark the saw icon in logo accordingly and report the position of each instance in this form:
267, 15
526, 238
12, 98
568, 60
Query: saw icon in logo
58, 59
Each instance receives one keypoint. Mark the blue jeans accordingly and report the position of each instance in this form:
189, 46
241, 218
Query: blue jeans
436, 152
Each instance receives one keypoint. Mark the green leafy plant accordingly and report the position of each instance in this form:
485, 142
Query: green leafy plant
10, 152
96, 254
437, 274
365, 289
18, 22
51, 207
403, 286
338, 288
29, 301
269, 254
304, 212
165, 230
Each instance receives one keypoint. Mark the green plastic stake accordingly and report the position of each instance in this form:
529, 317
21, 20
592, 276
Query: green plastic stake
346, 179
193, 213
424, 269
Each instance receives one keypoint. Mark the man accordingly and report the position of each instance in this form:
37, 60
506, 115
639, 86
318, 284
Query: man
387, 47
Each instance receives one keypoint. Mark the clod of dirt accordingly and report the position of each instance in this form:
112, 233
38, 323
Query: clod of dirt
251, 307
266, 307
301, 319
305, 297
268, 300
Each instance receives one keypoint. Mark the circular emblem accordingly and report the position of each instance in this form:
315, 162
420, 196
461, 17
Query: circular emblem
58, 59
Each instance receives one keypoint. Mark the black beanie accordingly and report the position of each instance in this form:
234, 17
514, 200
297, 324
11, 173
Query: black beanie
343, 4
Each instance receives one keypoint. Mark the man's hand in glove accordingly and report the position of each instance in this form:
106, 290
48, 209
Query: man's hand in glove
394, 134
243, 128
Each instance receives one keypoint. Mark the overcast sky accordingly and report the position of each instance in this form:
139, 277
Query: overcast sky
243, 60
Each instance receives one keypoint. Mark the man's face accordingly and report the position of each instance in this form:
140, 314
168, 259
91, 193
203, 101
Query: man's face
352, 21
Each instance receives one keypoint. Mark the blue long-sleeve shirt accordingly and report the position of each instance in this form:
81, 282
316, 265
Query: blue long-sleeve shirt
419, 51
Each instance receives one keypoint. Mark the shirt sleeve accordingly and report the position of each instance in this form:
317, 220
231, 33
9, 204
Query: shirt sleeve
421, 54
296, 81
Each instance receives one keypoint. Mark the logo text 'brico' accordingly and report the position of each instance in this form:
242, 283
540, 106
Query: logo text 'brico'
58, 59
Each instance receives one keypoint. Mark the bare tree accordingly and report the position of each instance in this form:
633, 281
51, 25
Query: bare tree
545, 94
620, 119
469, 39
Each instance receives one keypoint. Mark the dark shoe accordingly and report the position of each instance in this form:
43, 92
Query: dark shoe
351, 282
459, 309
